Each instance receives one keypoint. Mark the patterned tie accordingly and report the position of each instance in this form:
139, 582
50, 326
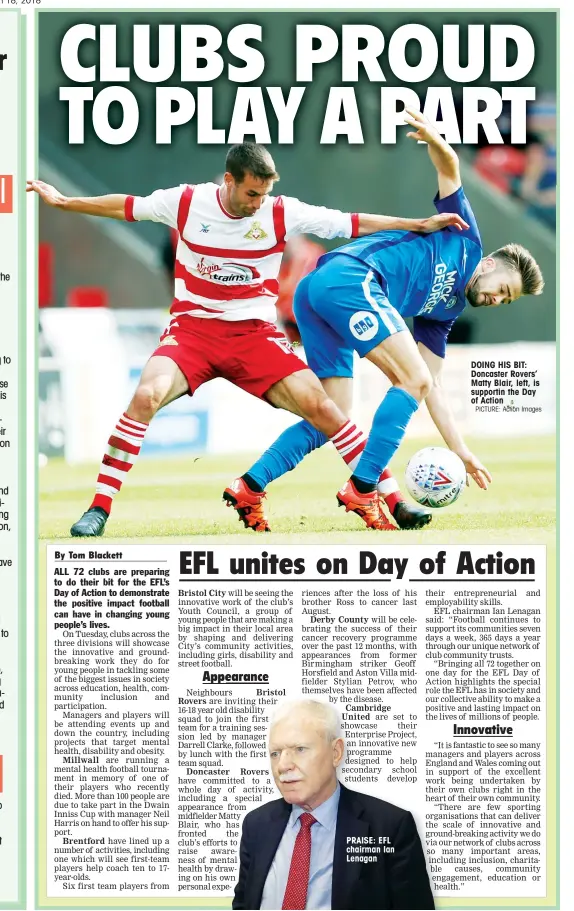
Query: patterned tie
295, 897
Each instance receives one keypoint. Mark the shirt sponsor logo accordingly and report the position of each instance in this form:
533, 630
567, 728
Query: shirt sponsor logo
256, 232
235, 272
206, 268
441, 288
363, 325
232, 273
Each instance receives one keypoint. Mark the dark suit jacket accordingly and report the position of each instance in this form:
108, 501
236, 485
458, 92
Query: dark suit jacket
394, 881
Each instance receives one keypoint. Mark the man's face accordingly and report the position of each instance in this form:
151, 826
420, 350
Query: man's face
246, 198
493, 285
303, 761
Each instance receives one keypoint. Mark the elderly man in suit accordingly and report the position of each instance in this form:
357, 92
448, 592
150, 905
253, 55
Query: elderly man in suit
322, 845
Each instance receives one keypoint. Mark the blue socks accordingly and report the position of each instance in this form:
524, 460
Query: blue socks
389, 425
285, 453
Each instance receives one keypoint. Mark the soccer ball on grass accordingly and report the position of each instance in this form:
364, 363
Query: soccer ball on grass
435, 477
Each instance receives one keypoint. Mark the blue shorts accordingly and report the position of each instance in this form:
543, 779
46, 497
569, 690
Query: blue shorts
341, 307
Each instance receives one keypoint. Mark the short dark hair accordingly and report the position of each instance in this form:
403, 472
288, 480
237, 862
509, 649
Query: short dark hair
249, 157
522, 261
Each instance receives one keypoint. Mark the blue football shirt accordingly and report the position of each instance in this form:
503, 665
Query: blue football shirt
424, 275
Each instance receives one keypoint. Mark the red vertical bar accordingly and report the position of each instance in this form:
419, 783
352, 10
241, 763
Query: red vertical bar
46, 275
5, 193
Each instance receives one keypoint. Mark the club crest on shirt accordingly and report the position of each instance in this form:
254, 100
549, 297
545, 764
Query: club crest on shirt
256, 232
168, 340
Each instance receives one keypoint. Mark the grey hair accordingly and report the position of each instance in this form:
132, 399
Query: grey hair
323, 712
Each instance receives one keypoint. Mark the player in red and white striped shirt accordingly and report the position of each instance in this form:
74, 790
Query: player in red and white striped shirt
231, 239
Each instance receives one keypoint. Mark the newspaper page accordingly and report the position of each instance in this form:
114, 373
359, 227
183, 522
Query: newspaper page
287, 261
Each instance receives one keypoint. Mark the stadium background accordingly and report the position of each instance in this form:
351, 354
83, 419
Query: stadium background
90, 356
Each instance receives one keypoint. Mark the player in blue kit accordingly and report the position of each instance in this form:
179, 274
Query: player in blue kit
356, 300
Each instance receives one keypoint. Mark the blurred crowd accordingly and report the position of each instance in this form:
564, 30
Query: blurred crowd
525, 172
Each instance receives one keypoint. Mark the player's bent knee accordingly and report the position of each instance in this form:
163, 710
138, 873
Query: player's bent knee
146, 402
317, 408
418, 384
325, 415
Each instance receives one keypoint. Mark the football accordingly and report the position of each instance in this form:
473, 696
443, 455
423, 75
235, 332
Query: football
435, 477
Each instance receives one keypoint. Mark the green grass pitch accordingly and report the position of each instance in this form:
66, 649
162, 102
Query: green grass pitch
178, 499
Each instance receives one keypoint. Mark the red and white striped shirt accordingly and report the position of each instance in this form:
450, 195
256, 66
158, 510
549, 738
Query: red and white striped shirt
226, 266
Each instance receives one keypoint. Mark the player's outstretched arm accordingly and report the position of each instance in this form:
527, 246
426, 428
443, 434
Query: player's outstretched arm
301, 218
441, 413
441, 154
111, 206
369, 224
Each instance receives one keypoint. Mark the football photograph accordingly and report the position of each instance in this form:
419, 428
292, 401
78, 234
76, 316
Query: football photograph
297, 296
297, 276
